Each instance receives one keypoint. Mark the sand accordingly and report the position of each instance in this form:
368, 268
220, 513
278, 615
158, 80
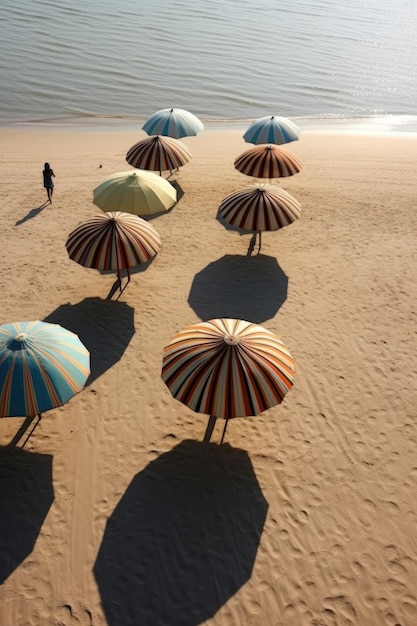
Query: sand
114, 513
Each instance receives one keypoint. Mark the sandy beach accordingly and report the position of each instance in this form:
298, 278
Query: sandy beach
114, 513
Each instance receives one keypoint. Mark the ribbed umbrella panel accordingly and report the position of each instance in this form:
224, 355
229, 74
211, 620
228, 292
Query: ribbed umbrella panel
139, 192
42, 366
158, 154
272, 129
260, 208
175, 123
228, 368
112, 241
268, 162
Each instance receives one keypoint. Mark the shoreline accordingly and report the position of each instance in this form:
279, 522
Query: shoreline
362, 124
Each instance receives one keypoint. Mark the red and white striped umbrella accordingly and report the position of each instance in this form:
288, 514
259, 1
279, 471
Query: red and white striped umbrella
113, 241
268, 162
159, 154
227, 368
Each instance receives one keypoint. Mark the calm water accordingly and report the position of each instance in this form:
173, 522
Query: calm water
74, 60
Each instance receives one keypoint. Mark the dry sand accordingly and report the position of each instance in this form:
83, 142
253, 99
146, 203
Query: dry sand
114, 513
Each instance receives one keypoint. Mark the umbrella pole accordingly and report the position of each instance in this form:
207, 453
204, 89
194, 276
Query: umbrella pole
28, 420
260, 240
224, 430
210, 428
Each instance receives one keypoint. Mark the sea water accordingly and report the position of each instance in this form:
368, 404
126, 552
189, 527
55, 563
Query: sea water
225, 60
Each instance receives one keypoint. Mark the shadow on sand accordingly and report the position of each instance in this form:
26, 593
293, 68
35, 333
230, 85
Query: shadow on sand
26, 495
240, 287
183, 539
104, 326
32, 213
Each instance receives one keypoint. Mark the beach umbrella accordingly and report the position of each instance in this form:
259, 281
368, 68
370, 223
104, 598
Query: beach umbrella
260, 207
113, 241
227, 368
135, 191
265, 161
271, 129
158, 154
175, 123
42, 366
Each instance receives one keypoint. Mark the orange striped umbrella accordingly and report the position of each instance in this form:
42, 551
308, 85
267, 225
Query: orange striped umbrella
260, 207
227, 368
268, 162
158, 154
113, 241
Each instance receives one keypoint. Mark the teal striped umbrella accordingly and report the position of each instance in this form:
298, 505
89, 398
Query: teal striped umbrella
42, 366
175, 123
272, 129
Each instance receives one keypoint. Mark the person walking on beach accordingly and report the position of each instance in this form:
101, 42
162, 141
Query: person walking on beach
48, 183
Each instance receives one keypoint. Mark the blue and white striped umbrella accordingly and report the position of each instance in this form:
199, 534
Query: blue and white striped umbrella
42, 366
175, 123
272, 129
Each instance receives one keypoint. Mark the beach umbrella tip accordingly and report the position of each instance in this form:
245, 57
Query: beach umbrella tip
231, 340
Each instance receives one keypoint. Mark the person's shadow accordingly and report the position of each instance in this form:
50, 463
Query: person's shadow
26, 495
32, 213
239, 287
105, 327
183, 538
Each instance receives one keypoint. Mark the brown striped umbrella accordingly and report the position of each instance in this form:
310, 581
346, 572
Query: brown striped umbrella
260, 207
159, 154
268, 162
113, 241
227, 368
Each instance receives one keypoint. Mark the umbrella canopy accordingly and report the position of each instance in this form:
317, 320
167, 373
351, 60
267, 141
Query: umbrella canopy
175, 123
228, 368
271, 129
113, 241
158, 154
138, 192
42, 366
268, 162
260, 207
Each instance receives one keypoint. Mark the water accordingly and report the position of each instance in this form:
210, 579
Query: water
76, 61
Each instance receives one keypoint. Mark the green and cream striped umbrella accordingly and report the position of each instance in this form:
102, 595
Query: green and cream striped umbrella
136, 191
227, 368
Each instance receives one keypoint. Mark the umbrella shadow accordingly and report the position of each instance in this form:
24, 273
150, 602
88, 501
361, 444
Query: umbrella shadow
239, 287
183, 538
26, 495
104, 326
32, 213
